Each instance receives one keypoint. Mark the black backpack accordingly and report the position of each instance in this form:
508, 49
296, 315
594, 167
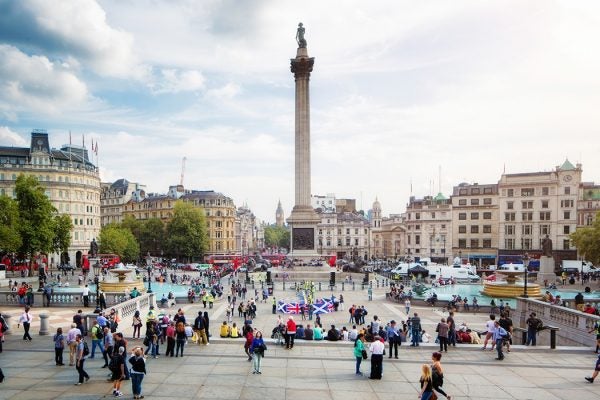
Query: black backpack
99, 333
86, 349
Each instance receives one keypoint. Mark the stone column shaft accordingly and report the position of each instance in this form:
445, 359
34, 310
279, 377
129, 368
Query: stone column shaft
302, 157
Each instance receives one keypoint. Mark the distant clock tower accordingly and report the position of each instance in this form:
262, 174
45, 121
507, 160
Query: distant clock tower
279, 216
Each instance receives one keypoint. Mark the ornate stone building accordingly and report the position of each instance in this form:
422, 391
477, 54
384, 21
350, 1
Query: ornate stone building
249, 232
475, 223
220, 212
588, 203
72, 184
535, 204
113, 196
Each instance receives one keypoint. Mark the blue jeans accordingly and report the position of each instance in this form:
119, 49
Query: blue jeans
531, 339
415, 337
96, 342
136, 383
499, 343
426, 395
358, 362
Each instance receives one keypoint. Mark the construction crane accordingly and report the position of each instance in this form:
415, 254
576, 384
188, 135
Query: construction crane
182, 170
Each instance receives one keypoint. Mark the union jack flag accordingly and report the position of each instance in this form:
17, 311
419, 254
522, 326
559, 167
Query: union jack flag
293, 308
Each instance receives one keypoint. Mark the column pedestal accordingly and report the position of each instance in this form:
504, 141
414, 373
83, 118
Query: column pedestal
546, 272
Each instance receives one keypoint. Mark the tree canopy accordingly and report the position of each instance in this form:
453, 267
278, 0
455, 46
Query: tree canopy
10, 239
277, 236
186, 233
587, 241
115, 239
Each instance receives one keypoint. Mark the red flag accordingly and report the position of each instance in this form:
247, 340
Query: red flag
332, 261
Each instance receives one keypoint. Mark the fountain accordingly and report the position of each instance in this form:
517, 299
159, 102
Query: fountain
121, 281
509, 287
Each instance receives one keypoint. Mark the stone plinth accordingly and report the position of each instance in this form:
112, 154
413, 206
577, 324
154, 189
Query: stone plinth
546, 272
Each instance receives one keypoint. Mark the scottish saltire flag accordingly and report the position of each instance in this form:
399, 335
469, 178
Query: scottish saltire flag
322, 306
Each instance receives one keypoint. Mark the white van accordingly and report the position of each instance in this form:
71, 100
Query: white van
572, 266
401, 270
459, 274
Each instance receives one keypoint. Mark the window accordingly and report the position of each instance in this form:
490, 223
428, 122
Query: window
487, 201
526, 205
487, 215
474, 202
462, 202
487, 229
544, 230
544, 203
566, 244
509, 216
510, 192
432, 215
545, 191
509, 244
462, 192
417, 227
527, 192
545, 216
567, 215
487, 243
462, 243
509, 229
475, 215
417, 215
566, 203
462, 229
475, 191
527, 216
527, 229
443, 226
462, 216
347, 241
510, 205
347, 231
417, 239
356, 231
339, 242
474, 243
567, 191
526, 244
566, 229
474, 229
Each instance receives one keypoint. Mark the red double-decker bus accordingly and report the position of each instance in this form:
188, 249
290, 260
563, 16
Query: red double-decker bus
220, 260
274, 259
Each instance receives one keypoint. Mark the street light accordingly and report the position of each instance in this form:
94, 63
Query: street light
97, 283
526, 265
149, 269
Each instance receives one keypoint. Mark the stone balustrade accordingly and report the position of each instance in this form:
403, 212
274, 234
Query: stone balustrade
58, 299
574, 325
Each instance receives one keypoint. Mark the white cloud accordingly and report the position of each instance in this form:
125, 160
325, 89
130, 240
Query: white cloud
33, 84
11, 138
175, 81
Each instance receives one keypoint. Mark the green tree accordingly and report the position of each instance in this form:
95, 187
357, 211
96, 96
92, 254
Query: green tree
152, 236
62, 233
10, 239
36, 218
134, 226
587, 241
117, 240
277, 236
186, 234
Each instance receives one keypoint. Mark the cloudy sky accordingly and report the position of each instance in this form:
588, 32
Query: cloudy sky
400, 90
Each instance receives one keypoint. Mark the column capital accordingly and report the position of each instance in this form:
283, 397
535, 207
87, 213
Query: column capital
301, 67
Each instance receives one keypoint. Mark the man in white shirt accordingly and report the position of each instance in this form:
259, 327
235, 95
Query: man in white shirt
353, 334
86, 296
72, 342
377, 348
26, 319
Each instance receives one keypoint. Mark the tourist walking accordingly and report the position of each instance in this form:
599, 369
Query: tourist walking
533, 324
72, 342
200, 328
437, 374
118, 371
206, 326
393, 337
59, 347
137, 324
596, 330
407, 305
257, 349
170, 333
82, 351
249, 335
442, 330
360, 352
415, 330
451, 329
377, 349
180, 338
25, 319
138, 370
97, 339
290, 333
499, 334
489, 331
426, 391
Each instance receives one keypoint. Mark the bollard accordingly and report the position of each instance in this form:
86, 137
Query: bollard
252, 284
371, 284
353, 286
283, 286
553, 338
387, 283
342, 286
319, 286
44, 324
377, 282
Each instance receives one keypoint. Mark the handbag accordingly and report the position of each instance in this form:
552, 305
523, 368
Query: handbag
364, 354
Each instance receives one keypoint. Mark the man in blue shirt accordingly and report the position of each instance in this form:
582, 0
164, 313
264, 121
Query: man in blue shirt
393, 337
499, 335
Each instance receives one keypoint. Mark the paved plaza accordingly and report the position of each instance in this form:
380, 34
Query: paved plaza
312, 370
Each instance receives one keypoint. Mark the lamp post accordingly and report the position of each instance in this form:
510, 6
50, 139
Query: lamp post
526, 265
97, 283
149, 269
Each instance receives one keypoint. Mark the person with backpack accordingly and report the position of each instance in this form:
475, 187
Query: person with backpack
97, 339
3, 329
59, 347
118, 371
437, 375
181, 338
257, 349
200, 328
533, 325
82, 352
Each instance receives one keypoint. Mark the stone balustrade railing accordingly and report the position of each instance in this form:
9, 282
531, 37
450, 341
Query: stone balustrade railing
574, 325
58, 299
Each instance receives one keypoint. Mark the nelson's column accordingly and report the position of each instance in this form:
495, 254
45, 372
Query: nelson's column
303, 220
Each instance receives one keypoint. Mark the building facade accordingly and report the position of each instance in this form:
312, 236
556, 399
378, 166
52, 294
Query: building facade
249, 232
533, 205
475, 223
428, 228
72, 184
325, 203
588, 204
113, 196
